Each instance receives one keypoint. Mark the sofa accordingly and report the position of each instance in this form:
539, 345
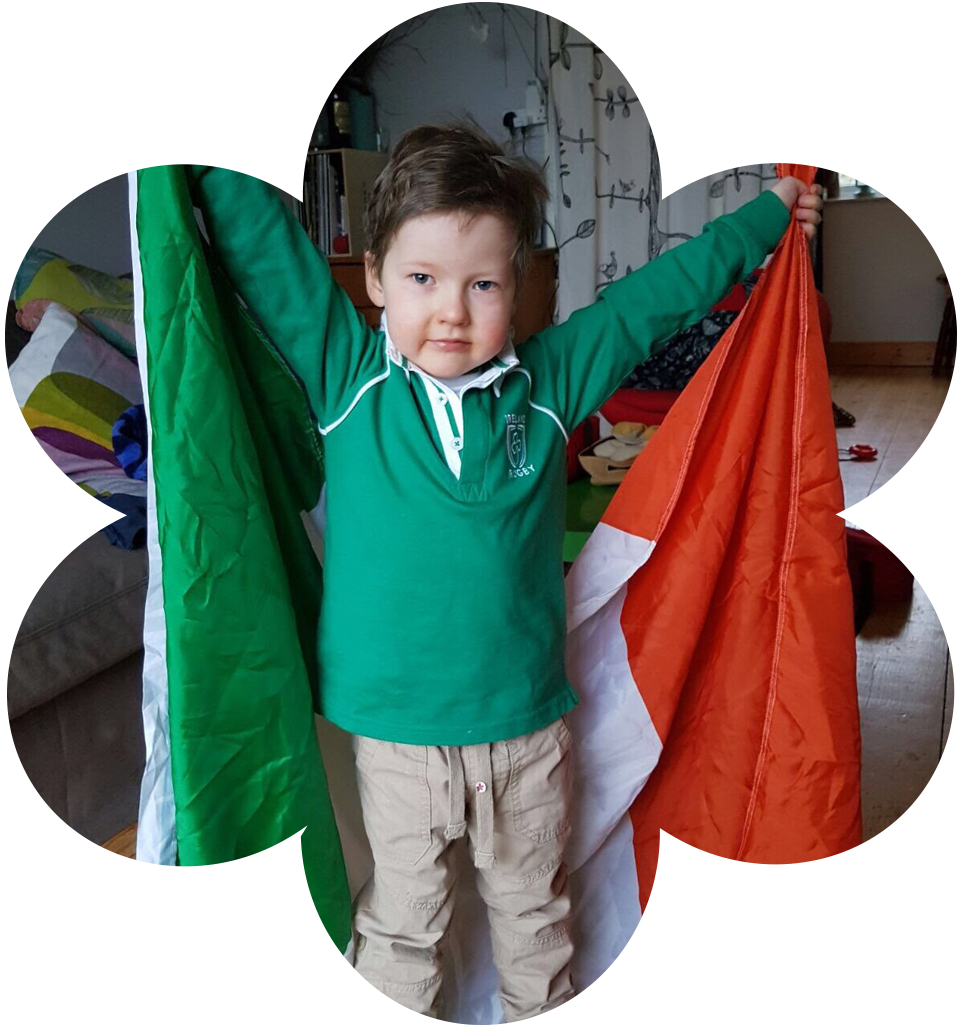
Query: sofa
74, 655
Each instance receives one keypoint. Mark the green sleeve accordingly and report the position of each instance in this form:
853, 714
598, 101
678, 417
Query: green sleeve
288, 288
586, 358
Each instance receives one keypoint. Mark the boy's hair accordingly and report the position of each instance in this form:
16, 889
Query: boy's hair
455, 167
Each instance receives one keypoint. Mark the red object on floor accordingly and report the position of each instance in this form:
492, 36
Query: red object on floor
876, 574
862, 452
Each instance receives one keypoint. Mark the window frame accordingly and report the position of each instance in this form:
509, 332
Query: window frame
916, 21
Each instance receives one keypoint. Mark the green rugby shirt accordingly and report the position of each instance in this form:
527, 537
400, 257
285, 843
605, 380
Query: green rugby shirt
443, 618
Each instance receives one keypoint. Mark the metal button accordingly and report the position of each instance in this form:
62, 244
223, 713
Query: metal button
480, 787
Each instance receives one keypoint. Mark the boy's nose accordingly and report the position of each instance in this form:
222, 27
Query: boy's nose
453, 310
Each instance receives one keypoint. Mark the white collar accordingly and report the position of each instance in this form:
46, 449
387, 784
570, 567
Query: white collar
505, 359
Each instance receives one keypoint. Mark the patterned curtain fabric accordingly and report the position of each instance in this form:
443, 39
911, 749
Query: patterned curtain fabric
664, 116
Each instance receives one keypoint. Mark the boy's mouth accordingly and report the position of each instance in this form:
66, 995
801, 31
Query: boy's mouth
449, 344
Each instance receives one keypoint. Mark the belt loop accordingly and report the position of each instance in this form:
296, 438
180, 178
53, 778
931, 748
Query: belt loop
484, 798
456, 824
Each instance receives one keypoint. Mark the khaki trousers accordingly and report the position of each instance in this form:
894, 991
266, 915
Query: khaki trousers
511, 799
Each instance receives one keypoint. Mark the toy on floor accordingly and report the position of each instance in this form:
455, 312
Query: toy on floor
858, 452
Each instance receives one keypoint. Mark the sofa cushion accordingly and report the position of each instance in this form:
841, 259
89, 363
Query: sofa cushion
104, 302
86, 617
71, 387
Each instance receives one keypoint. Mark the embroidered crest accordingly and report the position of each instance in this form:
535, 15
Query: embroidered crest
516, 443
516, 437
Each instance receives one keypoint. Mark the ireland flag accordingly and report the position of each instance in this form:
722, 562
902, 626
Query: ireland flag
233, 765
715, 852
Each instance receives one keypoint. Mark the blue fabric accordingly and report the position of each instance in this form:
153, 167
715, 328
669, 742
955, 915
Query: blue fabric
130, 532
130, 442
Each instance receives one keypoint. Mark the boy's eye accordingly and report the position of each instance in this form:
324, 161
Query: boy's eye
421, 278
485, 285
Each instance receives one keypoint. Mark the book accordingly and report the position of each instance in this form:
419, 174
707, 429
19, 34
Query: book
336, 187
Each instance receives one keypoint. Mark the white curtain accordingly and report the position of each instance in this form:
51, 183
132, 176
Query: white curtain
663, 116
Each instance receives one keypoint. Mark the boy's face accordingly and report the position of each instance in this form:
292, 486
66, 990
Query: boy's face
447, 284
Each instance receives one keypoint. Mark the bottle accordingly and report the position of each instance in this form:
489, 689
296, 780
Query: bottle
340, 110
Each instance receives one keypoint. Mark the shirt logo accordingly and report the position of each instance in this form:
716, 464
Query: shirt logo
516, 437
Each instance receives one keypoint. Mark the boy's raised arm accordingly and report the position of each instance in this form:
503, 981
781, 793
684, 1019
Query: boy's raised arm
590, 354
287, 286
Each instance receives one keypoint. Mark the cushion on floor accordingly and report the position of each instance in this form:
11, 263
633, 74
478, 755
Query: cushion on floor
86, 617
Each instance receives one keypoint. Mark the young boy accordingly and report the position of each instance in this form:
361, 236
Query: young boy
442, 631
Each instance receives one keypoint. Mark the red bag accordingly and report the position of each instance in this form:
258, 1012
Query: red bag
883, 562
649, 406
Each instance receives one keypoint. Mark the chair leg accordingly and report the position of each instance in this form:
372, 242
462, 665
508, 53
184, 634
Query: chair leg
947, 340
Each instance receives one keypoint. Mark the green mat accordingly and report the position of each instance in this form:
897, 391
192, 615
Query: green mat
586, 505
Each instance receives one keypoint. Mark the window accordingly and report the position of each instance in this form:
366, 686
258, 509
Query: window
890, 78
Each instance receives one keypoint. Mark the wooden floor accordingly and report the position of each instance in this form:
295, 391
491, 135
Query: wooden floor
67, 960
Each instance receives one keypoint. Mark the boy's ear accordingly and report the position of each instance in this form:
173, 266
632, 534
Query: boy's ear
374, 289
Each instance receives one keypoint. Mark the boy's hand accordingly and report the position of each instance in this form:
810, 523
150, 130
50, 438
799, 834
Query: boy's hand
807, 202
172, 29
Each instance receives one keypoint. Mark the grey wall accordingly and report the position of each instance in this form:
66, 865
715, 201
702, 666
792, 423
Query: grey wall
66, 181
880, 275
445, 67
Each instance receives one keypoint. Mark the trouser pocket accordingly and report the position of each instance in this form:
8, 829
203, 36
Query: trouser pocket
540, 782
395, 798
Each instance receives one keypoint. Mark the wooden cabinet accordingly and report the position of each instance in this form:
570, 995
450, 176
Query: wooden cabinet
535, 302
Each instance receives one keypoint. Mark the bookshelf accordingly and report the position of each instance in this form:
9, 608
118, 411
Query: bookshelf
336, 186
